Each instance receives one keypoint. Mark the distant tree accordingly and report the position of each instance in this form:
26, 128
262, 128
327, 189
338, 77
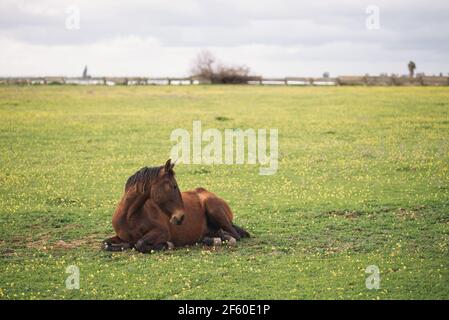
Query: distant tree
206, 66
85, 75
326, 75
203, 65
411, 68
225, 74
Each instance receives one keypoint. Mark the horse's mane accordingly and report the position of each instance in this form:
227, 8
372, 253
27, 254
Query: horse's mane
146, 176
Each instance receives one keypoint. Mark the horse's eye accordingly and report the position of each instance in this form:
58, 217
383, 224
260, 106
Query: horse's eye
175, 187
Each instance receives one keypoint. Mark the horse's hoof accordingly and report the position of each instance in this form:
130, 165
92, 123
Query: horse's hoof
232, 242
170, 245
217, 242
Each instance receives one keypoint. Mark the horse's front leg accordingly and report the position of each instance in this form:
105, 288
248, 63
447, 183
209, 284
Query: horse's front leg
115, 244
155, 239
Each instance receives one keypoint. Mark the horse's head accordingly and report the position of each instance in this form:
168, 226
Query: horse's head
166, 194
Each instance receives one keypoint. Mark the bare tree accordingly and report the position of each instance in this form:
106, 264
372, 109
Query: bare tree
203, 65
206, 66
411, 68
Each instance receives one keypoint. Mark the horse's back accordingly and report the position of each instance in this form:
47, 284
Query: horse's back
211, 202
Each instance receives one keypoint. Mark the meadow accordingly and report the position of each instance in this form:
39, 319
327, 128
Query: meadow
363, 180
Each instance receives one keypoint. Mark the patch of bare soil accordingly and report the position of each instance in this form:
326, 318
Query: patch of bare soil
90, 241
345, 214
409, 214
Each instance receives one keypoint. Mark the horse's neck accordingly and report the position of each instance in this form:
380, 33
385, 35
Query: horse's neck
154, 211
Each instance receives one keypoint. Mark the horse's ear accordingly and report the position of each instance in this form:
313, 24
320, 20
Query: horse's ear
168, 167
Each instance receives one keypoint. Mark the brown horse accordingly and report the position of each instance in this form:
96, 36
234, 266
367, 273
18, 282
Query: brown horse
154, 214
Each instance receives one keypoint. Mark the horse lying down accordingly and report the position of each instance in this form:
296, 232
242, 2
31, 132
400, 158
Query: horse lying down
154, 214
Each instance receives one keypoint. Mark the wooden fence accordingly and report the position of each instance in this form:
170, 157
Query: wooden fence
291, 81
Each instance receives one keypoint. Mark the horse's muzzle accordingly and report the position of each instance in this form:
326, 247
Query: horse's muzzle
177, 220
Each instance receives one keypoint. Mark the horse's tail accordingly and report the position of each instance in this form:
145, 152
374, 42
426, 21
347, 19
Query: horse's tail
242, 232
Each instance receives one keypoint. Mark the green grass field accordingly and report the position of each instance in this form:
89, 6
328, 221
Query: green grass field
363, 180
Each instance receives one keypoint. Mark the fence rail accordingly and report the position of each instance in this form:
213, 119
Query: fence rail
297, 81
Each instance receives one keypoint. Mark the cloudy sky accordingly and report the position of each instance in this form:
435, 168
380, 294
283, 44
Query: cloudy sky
273, 38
